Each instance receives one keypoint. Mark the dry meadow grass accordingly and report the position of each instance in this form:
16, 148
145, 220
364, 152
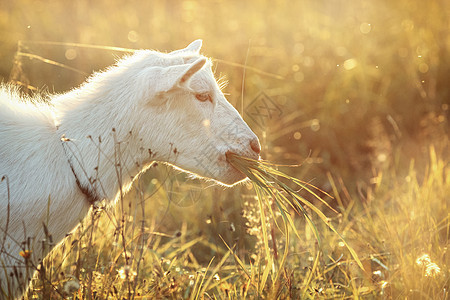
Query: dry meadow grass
355, 93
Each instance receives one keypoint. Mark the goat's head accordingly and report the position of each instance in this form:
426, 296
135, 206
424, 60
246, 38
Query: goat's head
185, 119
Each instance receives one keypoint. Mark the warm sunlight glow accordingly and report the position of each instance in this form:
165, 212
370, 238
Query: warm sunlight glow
331, 119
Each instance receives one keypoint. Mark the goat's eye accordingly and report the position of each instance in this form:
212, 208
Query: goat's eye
203, 97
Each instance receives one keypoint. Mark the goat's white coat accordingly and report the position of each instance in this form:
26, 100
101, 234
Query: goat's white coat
143, 109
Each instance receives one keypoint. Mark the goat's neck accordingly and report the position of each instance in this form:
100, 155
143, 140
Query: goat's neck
103, 151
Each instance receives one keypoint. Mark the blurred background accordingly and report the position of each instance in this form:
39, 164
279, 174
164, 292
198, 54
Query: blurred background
354, 87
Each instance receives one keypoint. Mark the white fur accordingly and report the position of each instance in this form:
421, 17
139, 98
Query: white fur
141, 110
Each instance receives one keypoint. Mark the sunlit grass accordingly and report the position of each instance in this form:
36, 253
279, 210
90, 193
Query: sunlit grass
268, 186
399, 235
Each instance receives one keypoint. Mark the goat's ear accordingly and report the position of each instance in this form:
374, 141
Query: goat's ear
178, 76
191, 70
195, 47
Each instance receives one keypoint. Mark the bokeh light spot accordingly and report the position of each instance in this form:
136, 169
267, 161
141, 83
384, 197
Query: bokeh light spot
133, 36
341, 51
423, 68
70, 54
350, 64
308, 61
278, 149
297, 135
407, 25
299, 48
298, 76
365, 28
382, 157
315, 125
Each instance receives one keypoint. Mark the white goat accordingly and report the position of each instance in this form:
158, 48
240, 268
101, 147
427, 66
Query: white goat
57, 158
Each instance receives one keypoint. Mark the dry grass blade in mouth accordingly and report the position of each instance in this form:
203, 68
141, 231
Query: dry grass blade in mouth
268, 185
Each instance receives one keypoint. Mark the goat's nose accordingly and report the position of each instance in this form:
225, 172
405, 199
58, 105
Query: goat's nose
254, 144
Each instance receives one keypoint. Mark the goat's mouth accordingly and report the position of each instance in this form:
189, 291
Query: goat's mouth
228, 155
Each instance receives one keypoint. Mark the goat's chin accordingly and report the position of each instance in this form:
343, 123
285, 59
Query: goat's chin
228, 177
225, 176
231, 177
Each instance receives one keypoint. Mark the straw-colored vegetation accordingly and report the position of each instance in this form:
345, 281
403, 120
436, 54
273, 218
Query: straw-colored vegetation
359, 97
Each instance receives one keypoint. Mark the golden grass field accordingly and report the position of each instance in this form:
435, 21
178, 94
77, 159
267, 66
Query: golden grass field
356, 94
